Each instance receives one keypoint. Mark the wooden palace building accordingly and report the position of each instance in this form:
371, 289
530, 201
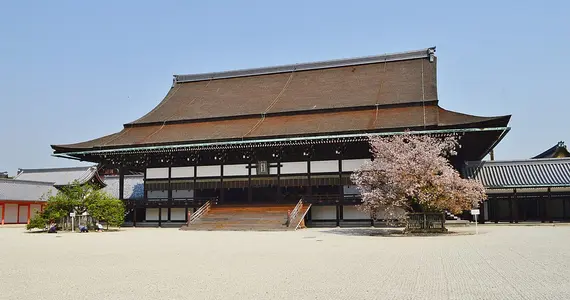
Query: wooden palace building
271, 136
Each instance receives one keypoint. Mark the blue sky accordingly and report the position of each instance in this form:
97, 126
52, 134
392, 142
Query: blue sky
72, 71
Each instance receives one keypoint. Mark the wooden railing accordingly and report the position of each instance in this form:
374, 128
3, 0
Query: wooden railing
199, 213
292, 214
354, 199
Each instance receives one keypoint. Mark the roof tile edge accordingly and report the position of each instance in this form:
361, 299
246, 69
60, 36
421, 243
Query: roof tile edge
423, 53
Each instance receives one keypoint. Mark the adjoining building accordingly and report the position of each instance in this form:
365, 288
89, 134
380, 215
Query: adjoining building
20, 200
26, 194
536, 189
279, 134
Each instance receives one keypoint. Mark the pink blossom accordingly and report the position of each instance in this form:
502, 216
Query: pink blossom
412, 172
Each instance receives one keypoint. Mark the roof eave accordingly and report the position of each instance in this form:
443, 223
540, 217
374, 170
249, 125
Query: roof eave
72, 153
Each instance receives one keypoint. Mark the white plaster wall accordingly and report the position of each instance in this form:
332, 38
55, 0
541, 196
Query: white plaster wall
208, 171
324, 166
323, 212
351, 212
153, 173
157, 194
11, 214
235, 170
35, 209
350, 165
179, 172
23, 218
177, 214
152, 214
297, 167
182, 193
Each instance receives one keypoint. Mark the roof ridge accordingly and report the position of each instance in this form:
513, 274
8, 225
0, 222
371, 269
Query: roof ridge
326, 64
27, 181
45, 170
531, 161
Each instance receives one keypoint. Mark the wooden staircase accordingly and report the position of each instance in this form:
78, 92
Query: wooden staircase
256, 217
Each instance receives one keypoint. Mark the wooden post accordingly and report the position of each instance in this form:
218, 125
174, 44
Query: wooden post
310, 184
145, 187
122, 183
169, 200
510, 209
337, 215
159, 216
496, 210
249, 188
135, 213
516, 206
186, 214
29, 213
549, 217
340, 186
222, 183
3, 212
563, 209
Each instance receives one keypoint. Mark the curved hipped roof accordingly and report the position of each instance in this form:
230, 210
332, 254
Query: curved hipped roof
61, 176
557, 151
530, 173
386, 93
400, 78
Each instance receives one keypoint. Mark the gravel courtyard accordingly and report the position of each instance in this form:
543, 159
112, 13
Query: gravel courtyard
502, 262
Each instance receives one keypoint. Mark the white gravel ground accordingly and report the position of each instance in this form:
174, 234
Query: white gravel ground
503, 262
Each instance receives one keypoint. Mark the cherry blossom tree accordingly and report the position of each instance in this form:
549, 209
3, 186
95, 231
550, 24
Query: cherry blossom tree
413, 173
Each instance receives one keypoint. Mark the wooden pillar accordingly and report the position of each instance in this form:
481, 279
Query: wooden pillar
515, 206
135, 213
169, 201
310, 184
338, 208
195, 179
145, 186
222, 183
496, 210
159, 216
548, 216
543, 203
279, 176
29, 213
3, 212
122, 183
564, 209
249, 188
340, 186
186, 214
511, 209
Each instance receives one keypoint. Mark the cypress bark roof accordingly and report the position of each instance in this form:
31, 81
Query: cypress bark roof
371, 94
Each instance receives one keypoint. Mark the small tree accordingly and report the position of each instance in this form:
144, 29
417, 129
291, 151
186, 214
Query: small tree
79, 198
413, 173
106, 208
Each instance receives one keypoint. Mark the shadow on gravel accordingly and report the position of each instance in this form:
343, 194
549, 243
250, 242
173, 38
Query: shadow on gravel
388, 232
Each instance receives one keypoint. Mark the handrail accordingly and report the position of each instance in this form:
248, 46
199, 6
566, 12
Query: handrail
292, 214
199, 213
